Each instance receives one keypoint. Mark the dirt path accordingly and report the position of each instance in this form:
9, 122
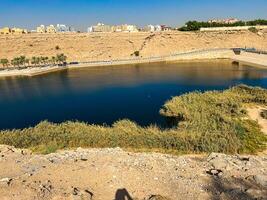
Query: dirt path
113, 174
254, 114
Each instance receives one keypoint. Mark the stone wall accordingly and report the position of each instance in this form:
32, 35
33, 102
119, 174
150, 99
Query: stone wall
234, 28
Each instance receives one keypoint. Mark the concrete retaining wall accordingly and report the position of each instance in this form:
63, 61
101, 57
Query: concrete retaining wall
234, 28
215, 54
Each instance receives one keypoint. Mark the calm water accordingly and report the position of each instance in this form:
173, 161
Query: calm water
104, 95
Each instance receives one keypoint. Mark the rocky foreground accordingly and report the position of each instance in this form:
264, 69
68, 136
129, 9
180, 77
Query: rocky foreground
110, 174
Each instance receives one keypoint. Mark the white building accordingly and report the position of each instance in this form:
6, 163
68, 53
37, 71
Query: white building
131, 28
150, 28
90, 29
63, 28
51, 29
158, 28
41, 29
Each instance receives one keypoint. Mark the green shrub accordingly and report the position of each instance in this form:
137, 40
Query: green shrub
136, 53
253, 30
264, 114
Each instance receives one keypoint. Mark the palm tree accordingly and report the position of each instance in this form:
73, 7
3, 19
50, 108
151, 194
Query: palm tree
61, 58
34, 61
38, 60
4, 62
22, 60
27, 61
53, 60
16, 61
46, 60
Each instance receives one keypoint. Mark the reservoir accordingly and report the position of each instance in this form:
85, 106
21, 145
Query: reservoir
103, 95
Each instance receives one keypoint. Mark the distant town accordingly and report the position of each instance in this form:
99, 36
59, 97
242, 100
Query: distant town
210, 25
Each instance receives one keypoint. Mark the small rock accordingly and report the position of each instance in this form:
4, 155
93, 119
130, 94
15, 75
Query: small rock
220, 164
6, 181
82, 194
254, 193
84, 159
215, 172
261, 180
157, 197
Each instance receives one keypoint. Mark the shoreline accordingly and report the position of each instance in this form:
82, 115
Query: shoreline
255, 60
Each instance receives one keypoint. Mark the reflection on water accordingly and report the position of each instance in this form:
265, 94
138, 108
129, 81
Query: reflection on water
106, 94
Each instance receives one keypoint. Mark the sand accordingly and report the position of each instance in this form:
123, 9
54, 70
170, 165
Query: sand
107, 46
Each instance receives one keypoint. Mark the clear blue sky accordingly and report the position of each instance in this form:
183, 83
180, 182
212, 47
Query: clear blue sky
83, 13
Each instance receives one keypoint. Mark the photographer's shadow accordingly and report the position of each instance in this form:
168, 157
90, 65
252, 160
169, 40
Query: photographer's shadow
122, 194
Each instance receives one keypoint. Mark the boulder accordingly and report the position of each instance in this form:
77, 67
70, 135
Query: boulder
261, 180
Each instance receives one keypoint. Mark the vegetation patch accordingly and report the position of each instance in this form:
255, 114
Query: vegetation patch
201, 122
264, 114
253, 30
196, 25
34, 61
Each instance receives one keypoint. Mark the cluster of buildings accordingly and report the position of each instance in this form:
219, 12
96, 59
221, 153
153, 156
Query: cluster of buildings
7, 31
224, 21
157, 28
59, 28
100, 27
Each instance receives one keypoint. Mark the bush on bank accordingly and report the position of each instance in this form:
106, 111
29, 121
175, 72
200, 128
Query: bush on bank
204, 122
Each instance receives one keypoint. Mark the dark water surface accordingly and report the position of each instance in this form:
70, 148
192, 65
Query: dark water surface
104, 95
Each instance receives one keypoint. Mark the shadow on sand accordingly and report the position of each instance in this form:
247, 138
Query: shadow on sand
235, 189
122, 194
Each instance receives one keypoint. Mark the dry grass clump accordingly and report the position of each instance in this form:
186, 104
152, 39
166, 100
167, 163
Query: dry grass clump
204, 122
219, 117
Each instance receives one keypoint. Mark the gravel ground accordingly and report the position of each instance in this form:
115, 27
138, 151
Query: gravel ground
114, 174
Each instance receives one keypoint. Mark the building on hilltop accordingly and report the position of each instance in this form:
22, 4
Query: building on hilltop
41, 29
157, 28
124, 28
149, 28
18, 31
100, 27
7, 30
51, 29
165, 28
62, 28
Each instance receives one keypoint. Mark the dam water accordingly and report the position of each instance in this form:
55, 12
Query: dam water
103, 95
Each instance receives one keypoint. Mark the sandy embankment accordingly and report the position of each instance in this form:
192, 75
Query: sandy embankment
112, 46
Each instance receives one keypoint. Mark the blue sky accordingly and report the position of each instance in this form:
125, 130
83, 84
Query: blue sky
83, 13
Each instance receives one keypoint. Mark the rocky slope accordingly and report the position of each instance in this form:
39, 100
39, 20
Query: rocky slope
108, 174
101, 46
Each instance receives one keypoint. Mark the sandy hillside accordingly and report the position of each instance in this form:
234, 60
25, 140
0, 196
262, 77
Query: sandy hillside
101, 46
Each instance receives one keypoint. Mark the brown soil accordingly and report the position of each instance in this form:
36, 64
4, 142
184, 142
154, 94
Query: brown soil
102, 46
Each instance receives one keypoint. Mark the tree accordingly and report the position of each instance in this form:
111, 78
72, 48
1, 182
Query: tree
21, 60
27, 61
34, 61
17, 61
4, 62
53, 60
61, 58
